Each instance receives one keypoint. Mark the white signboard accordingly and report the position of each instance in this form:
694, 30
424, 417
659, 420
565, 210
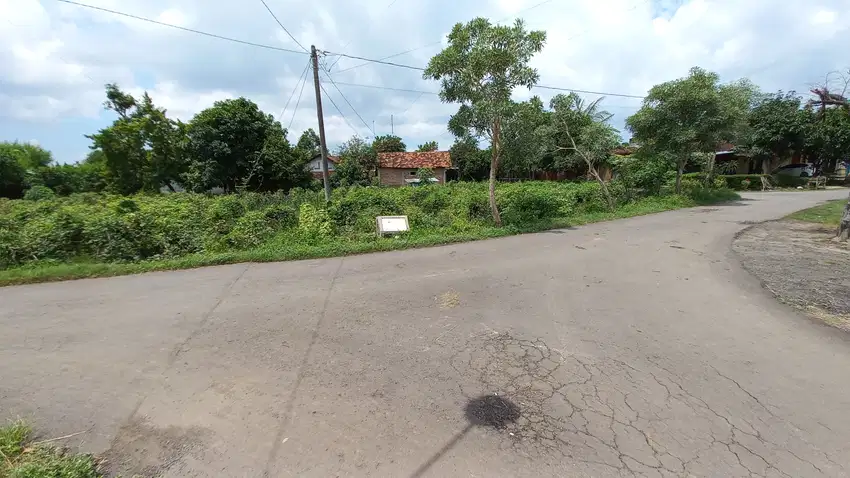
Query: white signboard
391, 224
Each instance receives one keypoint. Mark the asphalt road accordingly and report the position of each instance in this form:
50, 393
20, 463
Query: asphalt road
634, 347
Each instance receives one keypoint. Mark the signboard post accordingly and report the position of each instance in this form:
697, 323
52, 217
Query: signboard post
391, 225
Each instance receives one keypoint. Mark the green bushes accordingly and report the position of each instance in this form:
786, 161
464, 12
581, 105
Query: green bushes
744, 182
89, 227
39, 193
786, 181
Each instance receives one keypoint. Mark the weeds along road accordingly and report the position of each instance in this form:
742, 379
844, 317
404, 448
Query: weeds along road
634, 347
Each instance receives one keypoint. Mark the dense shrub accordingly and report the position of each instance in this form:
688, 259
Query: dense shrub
523, 203
39, 193
786, 181
314, 223
250, 230
644, 173
110, 228
588, 197
738, 182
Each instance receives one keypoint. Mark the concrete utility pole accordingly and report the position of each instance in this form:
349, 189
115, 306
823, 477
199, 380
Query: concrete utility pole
392, 126
322, 142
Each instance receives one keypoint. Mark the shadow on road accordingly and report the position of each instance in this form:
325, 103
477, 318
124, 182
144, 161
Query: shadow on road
487, 410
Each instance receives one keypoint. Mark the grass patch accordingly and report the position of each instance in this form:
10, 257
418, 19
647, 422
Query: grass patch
21, 457
289, 245
828, 213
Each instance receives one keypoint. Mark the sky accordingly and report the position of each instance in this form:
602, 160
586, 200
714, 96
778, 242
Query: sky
55, 58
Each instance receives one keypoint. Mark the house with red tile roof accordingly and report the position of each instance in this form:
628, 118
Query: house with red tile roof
399, 169
316, 165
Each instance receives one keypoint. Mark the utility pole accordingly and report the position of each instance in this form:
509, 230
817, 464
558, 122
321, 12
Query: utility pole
392, 126
322, 142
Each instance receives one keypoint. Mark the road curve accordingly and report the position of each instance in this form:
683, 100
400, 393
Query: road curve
629, 348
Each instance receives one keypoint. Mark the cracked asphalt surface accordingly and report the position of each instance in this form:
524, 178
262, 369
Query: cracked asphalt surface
630, 348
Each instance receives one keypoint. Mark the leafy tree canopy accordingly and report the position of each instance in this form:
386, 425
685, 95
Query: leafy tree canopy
358, 162
688, 115
143, 148
479, 69
234, 145
389, 144
428, 146
309, 144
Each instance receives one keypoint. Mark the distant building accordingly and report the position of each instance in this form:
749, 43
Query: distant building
316, 165
399, 169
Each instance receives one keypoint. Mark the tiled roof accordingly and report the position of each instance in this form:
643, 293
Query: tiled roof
412, 160
333, 159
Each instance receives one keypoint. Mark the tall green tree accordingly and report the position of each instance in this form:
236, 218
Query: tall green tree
479, 69
389, 144
427, 146
472, 163
12, 173
234, 145
522, 129
776, 127
143, 147
358, 163
21, 167
683, 117
309, 143
570, 116
594, 146
830, 139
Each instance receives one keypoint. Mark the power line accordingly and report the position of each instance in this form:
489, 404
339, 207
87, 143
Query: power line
190, 30
387, 88
337, 108
349, 41
439, 41
543, 87
281, 26
295, 110
375, 61
411, 104
349, 103
637, 4
300, 79
270, 47
392, 56
588, 92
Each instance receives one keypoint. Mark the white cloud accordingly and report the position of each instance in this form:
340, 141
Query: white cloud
57, 57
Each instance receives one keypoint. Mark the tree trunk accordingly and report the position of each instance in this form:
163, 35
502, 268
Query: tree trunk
494, 166
610, 200
680, 168
844, 224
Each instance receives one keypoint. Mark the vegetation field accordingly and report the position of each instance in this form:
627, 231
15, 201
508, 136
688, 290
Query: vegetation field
88, 235
22, 457
828, 213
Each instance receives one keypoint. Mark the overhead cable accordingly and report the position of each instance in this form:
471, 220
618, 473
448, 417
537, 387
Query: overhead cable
300, 79
281, 26
544, 87
440, 41
190, 30
337, 108
349, 103
298, 102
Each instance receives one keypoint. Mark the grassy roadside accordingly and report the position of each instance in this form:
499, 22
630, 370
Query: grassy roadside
21, 457
828, 214
280, 248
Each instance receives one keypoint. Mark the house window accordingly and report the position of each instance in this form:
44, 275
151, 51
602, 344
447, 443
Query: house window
413, 173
